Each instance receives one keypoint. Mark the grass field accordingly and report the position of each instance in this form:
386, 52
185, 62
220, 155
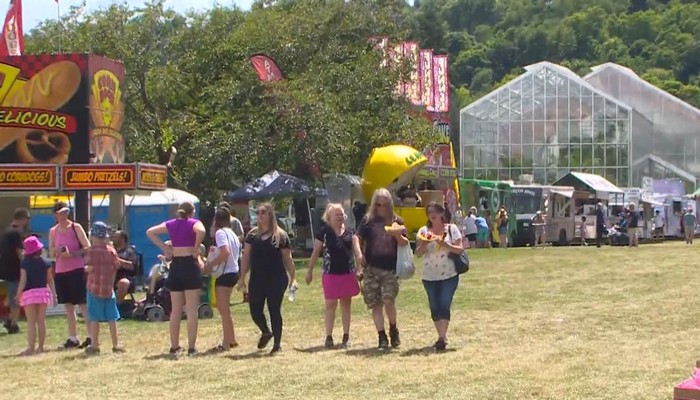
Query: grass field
559, 323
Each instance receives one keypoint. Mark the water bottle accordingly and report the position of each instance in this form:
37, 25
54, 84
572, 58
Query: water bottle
292, 293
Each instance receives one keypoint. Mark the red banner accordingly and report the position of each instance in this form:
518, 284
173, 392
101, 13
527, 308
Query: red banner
441, 84
12, 33
267, 69
397, 58
413, 86
425, 71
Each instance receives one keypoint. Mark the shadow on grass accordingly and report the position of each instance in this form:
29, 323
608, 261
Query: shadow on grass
163, 356
369, 352
80, 356
248, 356
318, 349
425, 351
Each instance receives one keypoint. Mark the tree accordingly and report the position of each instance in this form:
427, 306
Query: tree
190, 85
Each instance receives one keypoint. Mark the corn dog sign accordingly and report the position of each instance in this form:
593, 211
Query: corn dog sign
50, 104
34, 177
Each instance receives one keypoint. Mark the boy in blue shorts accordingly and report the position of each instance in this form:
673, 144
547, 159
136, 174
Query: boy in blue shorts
102, 264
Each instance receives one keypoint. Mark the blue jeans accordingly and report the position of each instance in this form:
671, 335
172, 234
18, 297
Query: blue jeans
440, 295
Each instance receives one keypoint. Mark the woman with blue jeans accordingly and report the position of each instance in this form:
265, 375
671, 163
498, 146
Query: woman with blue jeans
435, 241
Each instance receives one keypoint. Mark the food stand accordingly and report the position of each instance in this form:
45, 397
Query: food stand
60, 131
414, 178
589, 190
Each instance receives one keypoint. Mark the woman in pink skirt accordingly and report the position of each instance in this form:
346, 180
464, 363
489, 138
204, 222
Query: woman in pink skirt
35, 292
337, 243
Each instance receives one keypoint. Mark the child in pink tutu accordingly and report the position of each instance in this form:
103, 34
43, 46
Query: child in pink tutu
338, 244
35, 292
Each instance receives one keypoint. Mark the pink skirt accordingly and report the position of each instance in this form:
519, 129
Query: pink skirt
35, 296
340, 286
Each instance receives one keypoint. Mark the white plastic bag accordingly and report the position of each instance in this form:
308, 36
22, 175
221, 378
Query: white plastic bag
404, 262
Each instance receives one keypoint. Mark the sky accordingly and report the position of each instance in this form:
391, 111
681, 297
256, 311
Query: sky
36, 11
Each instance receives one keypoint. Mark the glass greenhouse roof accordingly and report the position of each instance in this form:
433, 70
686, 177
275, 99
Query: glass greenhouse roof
668, 112
521, 96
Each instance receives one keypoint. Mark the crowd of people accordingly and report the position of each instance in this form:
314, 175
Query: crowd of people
93, 273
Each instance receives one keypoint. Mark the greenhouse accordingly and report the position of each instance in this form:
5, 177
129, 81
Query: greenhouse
669, 129
547, 122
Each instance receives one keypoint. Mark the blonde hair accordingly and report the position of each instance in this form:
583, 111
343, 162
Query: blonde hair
330, 207
381, 193
185, 210
276, 231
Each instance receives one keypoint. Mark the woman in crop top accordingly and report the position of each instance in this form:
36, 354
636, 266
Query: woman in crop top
185, 278
268, 256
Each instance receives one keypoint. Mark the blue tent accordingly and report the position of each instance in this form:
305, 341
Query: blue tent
269, 186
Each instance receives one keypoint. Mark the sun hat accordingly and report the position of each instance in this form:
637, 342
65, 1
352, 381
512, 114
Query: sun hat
99, 230
32, 245
60, 207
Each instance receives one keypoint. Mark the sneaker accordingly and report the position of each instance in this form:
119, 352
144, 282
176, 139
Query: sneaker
118, 350
191, 352
383, 341
264, 340
85, 344
329, 342
7, 324
174, 350
13, 329
394, 335
71, 344
440, 345
346, 341
275, 349
92, 350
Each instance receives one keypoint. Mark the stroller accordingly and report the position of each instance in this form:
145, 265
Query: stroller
157, 306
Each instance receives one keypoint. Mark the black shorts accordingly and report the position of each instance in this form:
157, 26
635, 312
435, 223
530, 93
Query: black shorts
184, 275
71, 287
471, 237
228, 280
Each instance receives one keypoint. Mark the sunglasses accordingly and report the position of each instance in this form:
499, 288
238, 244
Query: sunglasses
262, 212
380, 205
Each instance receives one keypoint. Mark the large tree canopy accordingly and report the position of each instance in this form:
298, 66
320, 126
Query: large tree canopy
190, 85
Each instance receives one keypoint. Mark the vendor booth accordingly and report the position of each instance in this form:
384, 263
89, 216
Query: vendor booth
414, 178
589, 190
275, 185
60, 131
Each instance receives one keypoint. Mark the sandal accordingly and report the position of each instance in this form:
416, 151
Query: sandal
220, 348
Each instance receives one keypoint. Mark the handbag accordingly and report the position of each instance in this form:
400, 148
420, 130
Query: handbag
460, 260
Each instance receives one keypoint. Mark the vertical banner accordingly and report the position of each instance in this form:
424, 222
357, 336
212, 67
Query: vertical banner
383, 47
107, 103
397, 60
413, 85
441, 84
426, 72
12, 31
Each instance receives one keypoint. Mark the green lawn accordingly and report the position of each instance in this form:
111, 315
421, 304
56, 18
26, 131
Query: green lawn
559, 323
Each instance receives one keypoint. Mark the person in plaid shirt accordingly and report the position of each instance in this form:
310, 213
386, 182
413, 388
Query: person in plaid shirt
102, 264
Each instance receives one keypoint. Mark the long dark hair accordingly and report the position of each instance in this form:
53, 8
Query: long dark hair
222, 218
437, 208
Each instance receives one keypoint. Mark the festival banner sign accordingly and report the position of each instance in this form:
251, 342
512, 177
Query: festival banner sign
425, 69
397, 59
441, 85
383, 47
413, 86
266, 68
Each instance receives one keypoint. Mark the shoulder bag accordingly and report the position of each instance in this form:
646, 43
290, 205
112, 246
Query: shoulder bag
460, 260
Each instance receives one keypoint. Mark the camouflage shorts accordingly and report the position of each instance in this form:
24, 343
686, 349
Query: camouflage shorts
379, 285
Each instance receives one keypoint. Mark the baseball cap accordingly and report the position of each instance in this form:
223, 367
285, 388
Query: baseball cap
99, 230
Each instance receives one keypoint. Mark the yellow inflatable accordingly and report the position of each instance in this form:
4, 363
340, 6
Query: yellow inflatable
390, 167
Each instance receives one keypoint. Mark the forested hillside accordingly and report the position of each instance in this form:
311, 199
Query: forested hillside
489, 41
